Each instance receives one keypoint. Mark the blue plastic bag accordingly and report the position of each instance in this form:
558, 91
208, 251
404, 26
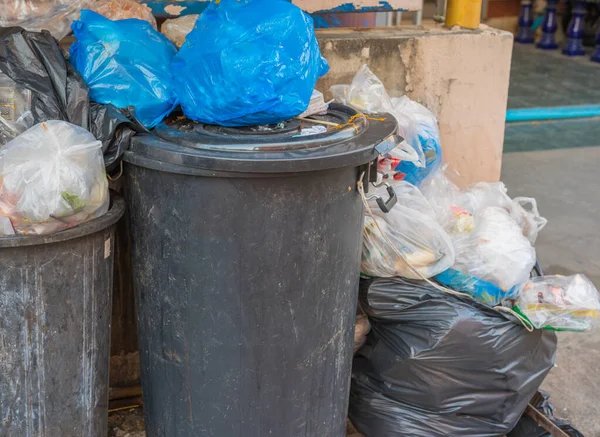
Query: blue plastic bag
125, 63
248, 62
482, 291
429, 138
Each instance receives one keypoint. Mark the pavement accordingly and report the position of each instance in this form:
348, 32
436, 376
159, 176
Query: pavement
566, 184
557, 163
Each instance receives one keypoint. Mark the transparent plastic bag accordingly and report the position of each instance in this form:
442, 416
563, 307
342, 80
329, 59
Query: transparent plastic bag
429, 139
422, 242
52, 178
368, 94
495, 251
455, 208
177, 29
9, 130
124, 9
562, 303
55, 16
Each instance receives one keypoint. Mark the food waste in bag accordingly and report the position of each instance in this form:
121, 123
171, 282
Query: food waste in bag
560, 303
406, 241
52, 178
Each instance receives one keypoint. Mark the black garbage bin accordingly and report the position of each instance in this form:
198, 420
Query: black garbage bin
246, 248
55, 306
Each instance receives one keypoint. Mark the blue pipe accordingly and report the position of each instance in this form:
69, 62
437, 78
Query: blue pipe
555, 113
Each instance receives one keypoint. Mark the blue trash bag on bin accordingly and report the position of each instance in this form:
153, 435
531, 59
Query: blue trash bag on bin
125, 63
248, 62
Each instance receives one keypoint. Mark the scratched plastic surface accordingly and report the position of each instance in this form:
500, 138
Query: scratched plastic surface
245, 265
55, 307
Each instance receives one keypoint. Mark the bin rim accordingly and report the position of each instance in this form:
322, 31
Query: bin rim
114, 214
186, 147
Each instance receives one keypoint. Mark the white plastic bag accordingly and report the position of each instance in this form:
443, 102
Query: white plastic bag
55, 16
124, 9
454, 208
495, 250
423, 244
569, 303
367, 94
52, 178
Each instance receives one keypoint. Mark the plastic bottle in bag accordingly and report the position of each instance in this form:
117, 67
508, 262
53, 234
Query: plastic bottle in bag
51, 178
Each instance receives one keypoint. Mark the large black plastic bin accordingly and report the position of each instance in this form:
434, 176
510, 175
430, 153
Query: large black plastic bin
55, 307
246, 251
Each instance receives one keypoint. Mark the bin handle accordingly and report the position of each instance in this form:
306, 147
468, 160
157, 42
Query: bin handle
385, 205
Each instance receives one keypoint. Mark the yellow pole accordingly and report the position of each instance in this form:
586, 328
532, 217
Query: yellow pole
463, 13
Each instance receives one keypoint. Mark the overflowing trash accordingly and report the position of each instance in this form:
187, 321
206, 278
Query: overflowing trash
177, 29
561, 303
461, 333
56, 91
441, 365
125, 63
124, 9
51, 178
248, 63
407, 241
368, 94
54, 16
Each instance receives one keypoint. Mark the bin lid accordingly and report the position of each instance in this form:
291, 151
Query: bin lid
342, 137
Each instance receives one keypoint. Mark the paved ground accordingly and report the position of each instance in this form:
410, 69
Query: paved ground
542, 79
566, 184
557, 163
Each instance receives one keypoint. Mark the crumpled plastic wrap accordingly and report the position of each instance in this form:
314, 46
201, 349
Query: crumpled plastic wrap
438, 365
424, 245
55, 16
492, 235
429, 139
454, 207
177, 29
367, 94
52, 178
124, 9
248, 62
561, 303
495, 251
125, 63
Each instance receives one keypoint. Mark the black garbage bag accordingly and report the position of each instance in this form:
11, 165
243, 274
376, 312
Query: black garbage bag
34, 61
437, 365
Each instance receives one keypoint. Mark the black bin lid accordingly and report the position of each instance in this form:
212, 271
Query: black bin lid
180, 145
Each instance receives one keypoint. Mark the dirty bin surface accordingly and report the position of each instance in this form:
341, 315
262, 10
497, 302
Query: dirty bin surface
55, 306
246, 251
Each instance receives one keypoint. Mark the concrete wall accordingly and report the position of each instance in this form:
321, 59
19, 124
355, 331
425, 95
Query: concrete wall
461, 75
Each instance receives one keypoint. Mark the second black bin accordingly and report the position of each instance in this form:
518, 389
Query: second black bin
246, 252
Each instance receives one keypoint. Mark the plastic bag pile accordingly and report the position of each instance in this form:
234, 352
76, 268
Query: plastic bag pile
460, 329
